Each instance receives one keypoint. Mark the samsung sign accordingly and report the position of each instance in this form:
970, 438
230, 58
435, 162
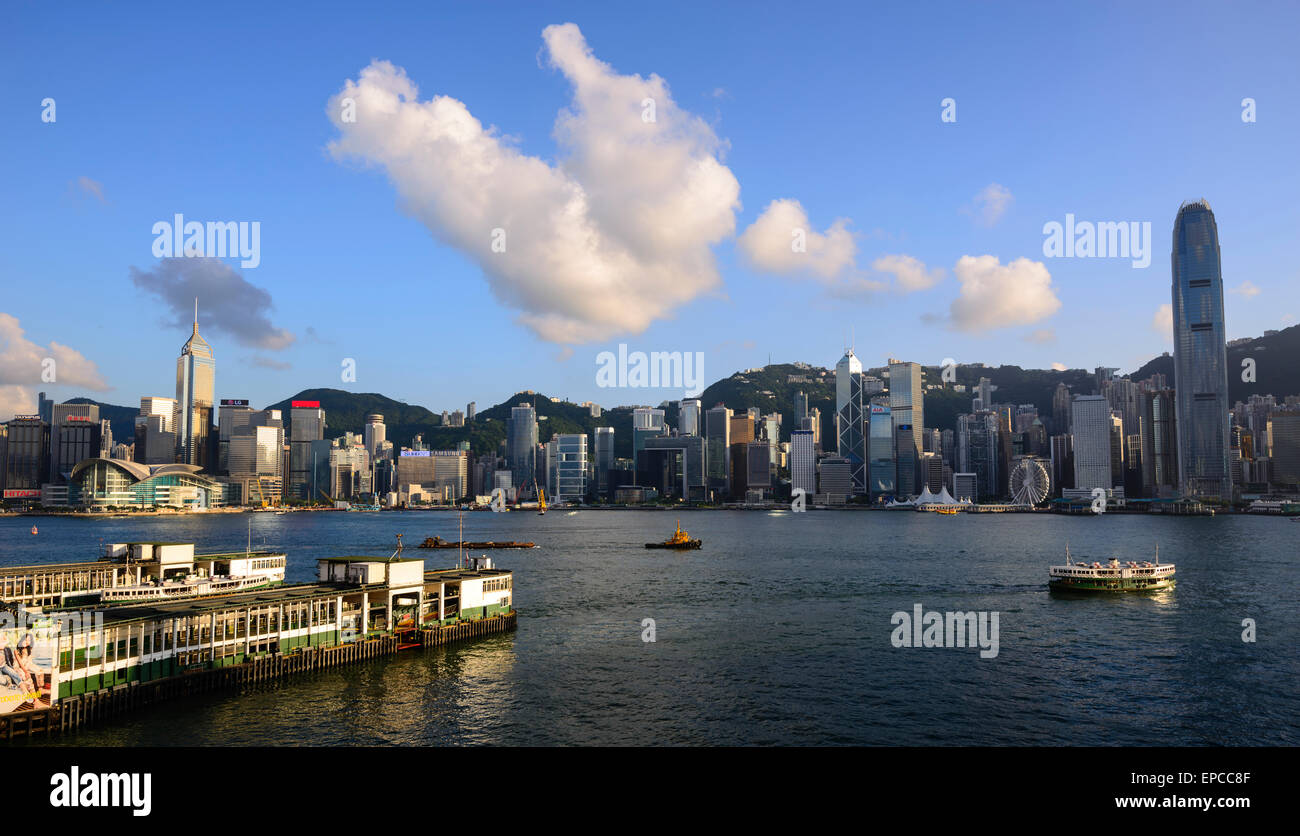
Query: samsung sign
409, 453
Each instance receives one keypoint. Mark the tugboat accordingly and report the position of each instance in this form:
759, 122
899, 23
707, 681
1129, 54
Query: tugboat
680, 540
1111, 577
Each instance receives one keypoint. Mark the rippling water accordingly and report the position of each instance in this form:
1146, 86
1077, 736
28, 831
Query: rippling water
776, 632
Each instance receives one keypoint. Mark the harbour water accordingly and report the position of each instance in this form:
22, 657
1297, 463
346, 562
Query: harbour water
776, 632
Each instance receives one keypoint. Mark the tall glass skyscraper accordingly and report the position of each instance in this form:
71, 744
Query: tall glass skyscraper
907, 406
195, 387
1200, 355
850, 419
521, 445
882, 468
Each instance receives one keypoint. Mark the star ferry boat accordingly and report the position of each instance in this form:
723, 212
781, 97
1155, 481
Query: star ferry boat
1111, 577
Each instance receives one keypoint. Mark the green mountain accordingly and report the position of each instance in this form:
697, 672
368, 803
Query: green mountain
1277, 365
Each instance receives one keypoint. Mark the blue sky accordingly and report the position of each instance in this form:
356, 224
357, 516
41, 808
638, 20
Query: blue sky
1109, 112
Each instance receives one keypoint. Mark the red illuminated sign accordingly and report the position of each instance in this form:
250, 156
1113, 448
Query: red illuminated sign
306, 404
22, 494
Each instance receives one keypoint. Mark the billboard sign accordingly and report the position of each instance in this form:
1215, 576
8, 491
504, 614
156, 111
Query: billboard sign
29, 664
234, 402
22, 494
406, 454
305, 404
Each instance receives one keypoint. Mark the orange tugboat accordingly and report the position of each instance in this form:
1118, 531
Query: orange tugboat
679, 540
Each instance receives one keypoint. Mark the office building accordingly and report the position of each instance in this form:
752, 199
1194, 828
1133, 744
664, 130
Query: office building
978, 452
907, 408
27, 454
1200, 355
521, 447
1091, 419
195, 387
604, 460
74, 436
803, 461
688, 417
306, 427
717, 434
850, 419
570, 483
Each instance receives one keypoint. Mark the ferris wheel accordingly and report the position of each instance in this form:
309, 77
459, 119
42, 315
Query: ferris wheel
1030, 482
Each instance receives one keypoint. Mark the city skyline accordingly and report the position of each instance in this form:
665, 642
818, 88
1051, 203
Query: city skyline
933, 210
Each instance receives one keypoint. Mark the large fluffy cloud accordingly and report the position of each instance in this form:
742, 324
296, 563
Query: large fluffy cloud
227, 302
782, 241
24, 366
995, 295
614, 235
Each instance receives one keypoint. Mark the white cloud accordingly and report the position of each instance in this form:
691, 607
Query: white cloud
990, 204
1246, 288
23, 362
24, 366
1041, 336
994, 295
782, 241
615, 236
909, 273
1163, 321
1058, 367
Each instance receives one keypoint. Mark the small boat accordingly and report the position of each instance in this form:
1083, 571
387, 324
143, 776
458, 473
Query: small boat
33, 531
679, 540
439, 543
947, 512
1112, 576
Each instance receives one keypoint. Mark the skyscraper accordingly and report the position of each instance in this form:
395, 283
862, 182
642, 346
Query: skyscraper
74, 436
907, 405
803, 462
521, 445
1090, 416
717, 434
195, 385
375, 434
306, 427
1200, 354
688, 417
604, 459
882, 469
850, 419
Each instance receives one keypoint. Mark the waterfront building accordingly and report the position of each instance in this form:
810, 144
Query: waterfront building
717, 433
1285, 461
1062, 452
375, 433
688, 417
836, 480
155, 431
931, 466
1159, 443
521, 446
113, 483
850, 419
232, 416
803, 461
907, 408
673, 464
27, 454
1091, 419
604, 460
75, 435
965, 487
882, 467
195, 396
306, 428
355, 598
978, 452
570, 467
1200, 355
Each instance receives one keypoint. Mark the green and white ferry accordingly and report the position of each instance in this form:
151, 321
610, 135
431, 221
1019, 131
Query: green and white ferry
1111, 577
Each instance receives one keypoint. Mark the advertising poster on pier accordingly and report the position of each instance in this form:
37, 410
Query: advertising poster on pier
28, 664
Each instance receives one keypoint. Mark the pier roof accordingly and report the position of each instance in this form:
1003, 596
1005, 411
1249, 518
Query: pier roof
183, 607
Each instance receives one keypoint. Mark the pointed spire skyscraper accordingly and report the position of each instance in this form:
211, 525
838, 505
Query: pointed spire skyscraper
195, 388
